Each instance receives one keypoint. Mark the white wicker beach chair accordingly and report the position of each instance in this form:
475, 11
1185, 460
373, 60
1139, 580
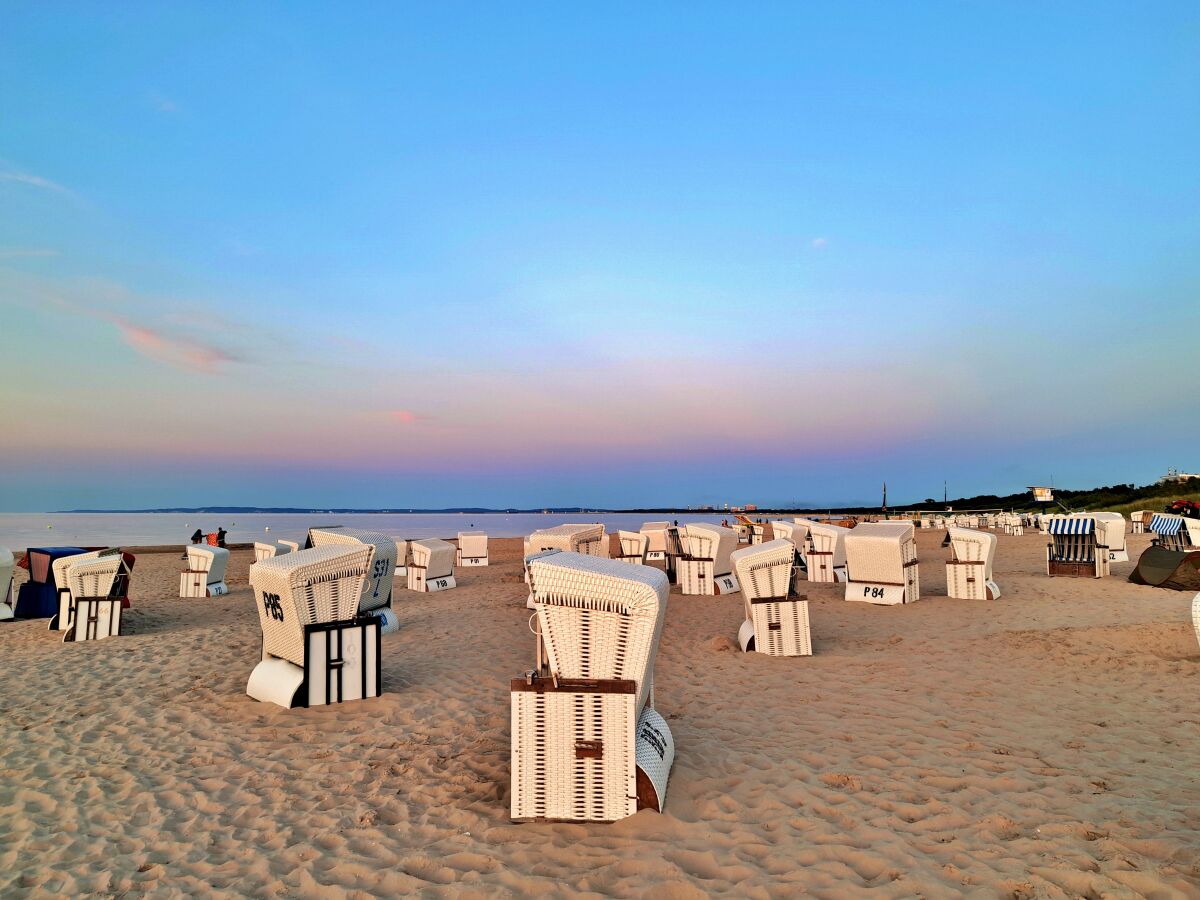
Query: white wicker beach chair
377, 594
401, 560
205, 572
431, 567
472, 549
881, 564
8, 602
97, 587
1137, 521
587, 744
656, 537
972, 558
827, 553
1110, 532
268, 549
317, 649
633, 547
62, 620
1073, 549
775, 623
587, 539
706, 568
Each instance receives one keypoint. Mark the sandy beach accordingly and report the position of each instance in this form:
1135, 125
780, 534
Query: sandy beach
1046, 744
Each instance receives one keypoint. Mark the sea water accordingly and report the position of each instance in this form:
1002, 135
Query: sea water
21, 530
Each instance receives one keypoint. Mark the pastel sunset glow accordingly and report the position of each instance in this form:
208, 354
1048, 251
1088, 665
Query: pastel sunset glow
532, 256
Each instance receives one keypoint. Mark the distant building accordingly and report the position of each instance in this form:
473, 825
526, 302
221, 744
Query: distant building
751, 507
1174, 476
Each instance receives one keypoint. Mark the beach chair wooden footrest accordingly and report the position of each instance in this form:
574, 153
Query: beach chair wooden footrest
341, 663
576, 748
696, 578
95, 618
777, 627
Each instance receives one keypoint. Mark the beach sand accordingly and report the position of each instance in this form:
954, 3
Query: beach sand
1045, 744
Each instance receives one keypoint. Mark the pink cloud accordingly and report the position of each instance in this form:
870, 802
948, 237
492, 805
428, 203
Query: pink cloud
179, 352
405, 416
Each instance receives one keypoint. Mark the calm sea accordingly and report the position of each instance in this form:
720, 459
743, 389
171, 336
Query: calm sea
21, 530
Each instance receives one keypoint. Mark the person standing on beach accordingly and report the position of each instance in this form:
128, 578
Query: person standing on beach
221, 536
197, 537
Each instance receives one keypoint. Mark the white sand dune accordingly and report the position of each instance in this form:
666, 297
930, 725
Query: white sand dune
1046, 744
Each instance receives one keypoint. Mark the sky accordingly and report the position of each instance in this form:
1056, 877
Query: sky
617, 255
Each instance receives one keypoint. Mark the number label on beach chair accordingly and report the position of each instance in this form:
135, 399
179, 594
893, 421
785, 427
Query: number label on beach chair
726, 584
272, 607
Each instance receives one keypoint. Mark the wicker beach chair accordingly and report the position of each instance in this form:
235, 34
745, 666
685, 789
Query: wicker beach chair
8, 602
99, 589
881, 564
587, 539
1173, 532
269, 549
472, 549
656, 537
706, 568
1073, 549
776, 624
1137, 521
205, 572
1110, 532
431, 567
827, 553
587, 744
377, 594
317, 649
969, 571
633, 546
121, 565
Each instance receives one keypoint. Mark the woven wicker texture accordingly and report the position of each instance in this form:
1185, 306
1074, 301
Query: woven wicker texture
972, 545
829, 539
321, 584
782, 628
600, 618
701, 541
377, 588
764, 570
877, 552
94, 577
549, 778
61, 566
588, 539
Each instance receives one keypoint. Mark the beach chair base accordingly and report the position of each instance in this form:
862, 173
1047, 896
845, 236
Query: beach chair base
94, 619
195, 585
389, 622
61, 620
879, 594
6, 611
341, 663
579, 755
1118, 556
1072, 569
964, 581
417, 581
777, 627
468, 561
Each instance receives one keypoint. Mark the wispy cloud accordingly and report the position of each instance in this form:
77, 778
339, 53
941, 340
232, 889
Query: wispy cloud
181, 352
820, 243
25, 252
140, 321
34, 181
162, 103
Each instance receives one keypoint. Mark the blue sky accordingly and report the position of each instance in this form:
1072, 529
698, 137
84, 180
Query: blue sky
535, 254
